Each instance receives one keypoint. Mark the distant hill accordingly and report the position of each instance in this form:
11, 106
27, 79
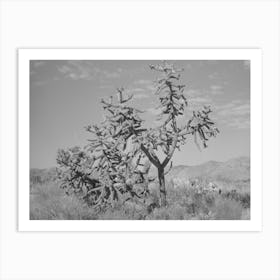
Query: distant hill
237, 169
42, 175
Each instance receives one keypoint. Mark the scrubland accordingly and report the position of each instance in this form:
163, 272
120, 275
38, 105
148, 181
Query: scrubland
229, 201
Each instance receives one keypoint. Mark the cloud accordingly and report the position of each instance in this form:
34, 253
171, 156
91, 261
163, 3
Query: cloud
139, 93
188, 66
199, 100
146, 86
140, 96
239, 123
77, 70
235, 114
151, 88
106, 86
109, 75
216, 89
135, 90
241, 110
246, 64
143, 82
85, 70
120, 70
37, 63
214, 76
39, 83
154, 111
192, 93
233, 109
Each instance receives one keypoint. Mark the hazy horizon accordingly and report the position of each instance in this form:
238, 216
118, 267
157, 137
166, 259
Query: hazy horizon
65, 97
178, 165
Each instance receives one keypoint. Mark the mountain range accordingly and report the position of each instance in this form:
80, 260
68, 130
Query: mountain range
236, 169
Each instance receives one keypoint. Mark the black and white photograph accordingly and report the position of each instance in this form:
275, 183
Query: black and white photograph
139, 140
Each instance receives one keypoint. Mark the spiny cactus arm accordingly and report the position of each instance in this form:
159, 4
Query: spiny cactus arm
120, 95
154, 160
165, 67
170, 167
196, 142
171, 150
200, 125
63, 157
108, 104
109, 153
99, 199
152, 179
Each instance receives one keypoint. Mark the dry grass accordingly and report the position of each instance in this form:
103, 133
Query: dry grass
49, 202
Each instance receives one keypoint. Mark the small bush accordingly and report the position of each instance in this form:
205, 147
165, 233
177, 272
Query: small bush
227, 209
243, 198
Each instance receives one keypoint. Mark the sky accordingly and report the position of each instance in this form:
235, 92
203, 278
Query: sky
65, 97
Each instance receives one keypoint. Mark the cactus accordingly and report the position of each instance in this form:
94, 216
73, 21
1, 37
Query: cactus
119, 155
108, 168
169, 136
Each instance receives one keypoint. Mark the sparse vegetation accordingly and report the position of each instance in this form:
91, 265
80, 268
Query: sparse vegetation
196, 202
49, 202
110, 177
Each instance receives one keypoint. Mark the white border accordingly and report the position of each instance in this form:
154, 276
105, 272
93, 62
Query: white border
254, 55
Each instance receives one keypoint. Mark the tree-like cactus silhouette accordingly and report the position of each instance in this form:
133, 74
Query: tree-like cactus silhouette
115, 164
169, 135
110, 167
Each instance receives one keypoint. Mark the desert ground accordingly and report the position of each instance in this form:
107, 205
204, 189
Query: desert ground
210, 191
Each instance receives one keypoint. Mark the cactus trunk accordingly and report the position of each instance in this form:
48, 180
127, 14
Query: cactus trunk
162, 188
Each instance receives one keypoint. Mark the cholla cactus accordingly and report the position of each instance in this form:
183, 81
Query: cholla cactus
121, 151
75, 171
169, 136
107, 169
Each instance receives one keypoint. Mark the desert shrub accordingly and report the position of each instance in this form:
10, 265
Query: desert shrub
195, 200
49, 202
199, 204
243, 198
186, 203
153, 198
227, 209
160, 214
